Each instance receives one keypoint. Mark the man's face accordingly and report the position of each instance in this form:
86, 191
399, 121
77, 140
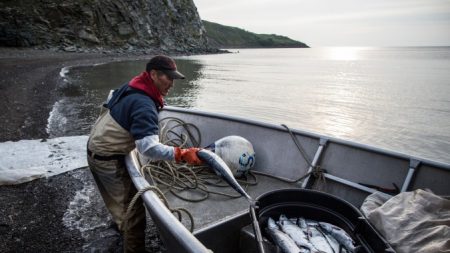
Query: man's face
161, 81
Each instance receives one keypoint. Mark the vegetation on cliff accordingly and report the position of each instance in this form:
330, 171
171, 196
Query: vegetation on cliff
221, 36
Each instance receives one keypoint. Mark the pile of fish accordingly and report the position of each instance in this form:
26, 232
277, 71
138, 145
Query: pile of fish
308, 236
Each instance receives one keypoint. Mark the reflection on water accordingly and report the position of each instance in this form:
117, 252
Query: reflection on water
86, 88
186, 91
394, 98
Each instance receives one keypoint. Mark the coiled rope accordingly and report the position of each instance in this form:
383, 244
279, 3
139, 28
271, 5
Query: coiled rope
177, 178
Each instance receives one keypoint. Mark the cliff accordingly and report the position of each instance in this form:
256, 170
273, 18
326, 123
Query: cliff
221, 36
95, 25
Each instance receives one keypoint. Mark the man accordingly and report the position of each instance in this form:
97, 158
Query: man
129, 119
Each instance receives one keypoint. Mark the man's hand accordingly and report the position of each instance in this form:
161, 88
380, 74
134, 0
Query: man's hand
188, 155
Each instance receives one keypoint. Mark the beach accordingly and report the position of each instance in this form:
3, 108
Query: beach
62, 213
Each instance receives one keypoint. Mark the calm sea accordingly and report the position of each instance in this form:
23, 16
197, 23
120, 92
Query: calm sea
393, 98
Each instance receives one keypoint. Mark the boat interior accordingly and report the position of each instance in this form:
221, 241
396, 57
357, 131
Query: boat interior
286, 159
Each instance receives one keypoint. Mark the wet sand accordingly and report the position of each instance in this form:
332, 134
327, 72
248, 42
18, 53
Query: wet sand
50, 214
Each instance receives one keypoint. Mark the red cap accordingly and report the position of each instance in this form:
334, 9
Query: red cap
166, 65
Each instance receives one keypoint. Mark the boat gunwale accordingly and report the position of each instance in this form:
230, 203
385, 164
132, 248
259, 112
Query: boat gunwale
169, 226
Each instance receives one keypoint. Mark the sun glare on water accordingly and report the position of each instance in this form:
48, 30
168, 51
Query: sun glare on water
343, 53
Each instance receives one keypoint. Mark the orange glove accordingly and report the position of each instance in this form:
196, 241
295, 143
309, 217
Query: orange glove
188, 155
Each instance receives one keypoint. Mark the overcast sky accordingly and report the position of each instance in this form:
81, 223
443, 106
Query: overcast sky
338, 22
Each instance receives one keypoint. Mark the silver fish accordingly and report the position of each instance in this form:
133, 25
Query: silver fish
296, 233
312, 222
340, 235
294, 220
335, 245
221, 168
318, 240
301, 222
281, 239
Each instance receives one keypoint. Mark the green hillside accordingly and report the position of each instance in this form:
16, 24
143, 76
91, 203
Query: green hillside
222, 36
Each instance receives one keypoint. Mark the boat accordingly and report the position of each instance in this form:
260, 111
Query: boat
305, 167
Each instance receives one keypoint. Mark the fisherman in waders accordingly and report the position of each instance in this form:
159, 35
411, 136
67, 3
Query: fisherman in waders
128, 120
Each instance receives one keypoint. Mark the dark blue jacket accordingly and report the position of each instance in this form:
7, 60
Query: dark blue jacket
135, 111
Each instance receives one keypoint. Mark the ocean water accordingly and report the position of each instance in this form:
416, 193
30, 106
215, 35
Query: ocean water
392, 98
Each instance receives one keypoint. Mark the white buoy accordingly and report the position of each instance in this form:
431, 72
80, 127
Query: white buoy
237, 152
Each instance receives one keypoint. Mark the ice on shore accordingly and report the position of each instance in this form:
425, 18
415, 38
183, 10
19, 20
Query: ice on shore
26, 160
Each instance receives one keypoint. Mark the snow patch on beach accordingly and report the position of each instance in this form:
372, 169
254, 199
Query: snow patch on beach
26, 160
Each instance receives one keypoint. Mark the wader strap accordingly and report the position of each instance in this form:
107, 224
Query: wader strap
105, 158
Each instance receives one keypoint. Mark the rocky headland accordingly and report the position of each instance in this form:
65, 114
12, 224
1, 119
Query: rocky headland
103, 26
